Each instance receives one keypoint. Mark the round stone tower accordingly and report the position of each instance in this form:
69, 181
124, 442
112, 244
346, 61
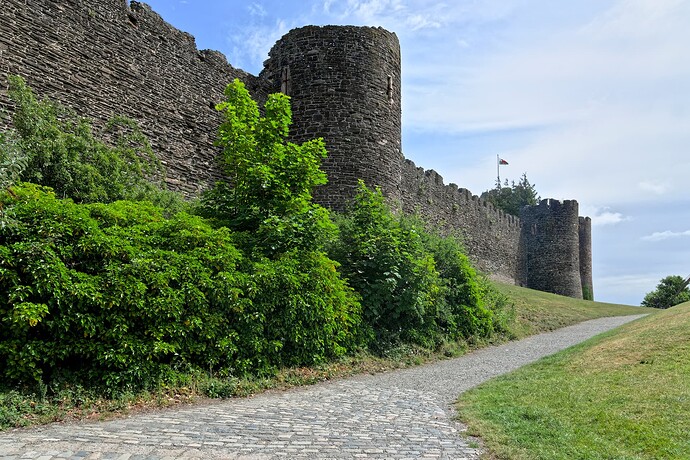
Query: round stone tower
344, 85
585, 234
552, 247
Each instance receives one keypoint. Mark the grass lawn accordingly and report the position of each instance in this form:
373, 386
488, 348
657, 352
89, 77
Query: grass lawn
622, 395
537, 311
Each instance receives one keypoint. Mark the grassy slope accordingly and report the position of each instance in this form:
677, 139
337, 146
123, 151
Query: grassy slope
622, 395
538, 311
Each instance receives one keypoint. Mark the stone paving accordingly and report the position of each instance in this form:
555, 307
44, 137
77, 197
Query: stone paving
396, 415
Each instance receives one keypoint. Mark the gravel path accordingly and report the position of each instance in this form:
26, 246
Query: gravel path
395, 415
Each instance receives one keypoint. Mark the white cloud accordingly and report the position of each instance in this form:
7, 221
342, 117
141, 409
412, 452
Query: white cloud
639, 19
629, 281
605, 217
256, 9
666, 235
418, 21
629, 288
364, 10
251, 43
601, 105
327, 6
396, 15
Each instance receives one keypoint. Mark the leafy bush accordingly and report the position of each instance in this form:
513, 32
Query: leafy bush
416, 286
117, 294
387, 264
463, 309
670, 291
13, 161
302, 312
308, 312
62, 152
503, 312
112, 292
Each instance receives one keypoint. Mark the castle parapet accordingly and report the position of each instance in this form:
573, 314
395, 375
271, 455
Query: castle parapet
103, 57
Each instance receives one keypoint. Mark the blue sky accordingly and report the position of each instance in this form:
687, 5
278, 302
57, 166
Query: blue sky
590, 98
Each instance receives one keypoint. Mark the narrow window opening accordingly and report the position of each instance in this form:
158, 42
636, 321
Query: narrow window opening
389, 91
285, 83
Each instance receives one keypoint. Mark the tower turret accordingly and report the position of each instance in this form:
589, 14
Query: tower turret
344, 85
552, 247
585, 236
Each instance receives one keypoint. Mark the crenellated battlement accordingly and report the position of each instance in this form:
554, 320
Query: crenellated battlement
106, 57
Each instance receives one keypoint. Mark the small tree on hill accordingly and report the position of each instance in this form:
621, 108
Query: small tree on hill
670, 291
512, 198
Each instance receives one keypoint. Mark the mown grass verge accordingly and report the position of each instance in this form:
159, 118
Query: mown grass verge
622, 395
533, 312
537, 311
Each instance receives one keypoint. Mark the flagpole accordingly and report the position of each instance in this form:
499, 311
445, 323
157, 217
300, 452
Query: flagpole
498, 172
499, 162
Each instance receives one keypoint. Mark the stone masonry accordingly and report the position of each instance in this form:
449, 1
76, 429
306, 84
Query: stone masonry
344, 84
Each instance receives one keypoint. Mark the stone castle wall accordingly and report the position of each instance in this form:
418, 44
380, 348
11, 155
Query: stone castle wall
106, 57
585, 237
492, 238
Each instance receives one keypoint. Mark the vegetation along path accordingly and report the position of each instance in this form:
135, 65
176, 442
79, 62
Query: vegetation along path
400, 414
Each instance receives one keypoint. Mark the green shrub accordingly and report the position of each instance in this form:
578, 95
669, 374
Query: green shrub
123, 295
12, 159
269, 193
302, 310
387, 264
502, 308
62, 152
120, 296
417, 286
113, 293
463, 311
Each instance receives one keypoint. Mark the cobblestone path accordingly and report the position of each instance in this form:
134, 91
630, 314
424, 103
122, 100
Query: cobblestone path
401, 414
